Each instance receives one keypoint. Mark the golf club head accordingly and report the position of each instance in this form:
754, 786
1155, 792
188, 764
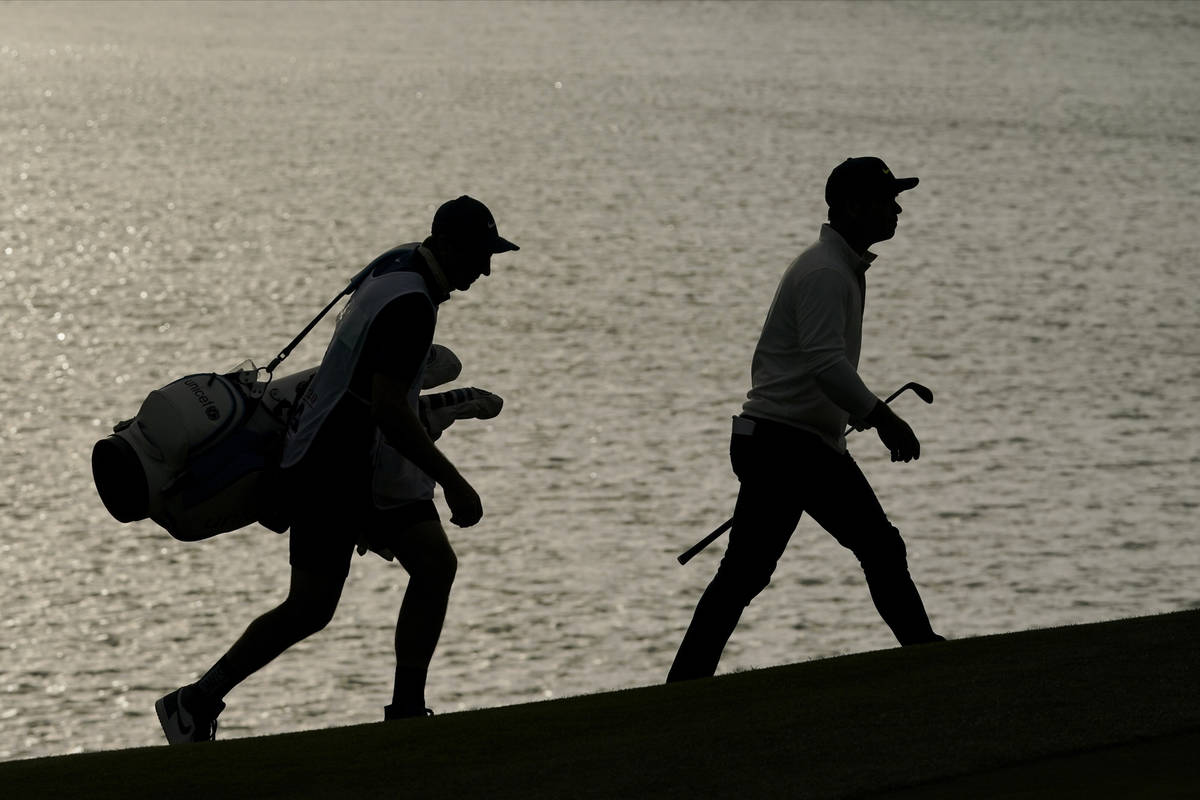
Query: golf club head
923, 392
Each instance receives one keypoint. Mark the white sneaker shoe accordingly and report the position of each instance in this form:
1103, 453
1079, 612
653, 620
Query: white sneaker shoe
180, 724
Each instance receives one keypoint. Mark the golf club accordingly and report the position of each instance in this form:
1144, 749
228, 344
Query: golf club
922, 392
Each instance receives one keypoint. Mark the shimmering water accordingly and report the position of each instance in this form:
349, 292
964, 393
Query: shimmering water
184, 185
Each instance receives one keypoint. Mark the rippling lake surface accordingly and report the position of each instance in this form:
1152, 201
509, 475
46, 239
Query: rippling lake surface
185, 185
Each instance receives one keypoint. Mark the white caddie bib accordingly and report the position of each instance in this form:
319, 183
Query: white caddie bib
396, 480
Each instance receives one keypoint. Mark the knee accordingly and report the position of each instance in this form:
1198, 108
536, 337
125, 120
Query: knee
447, 568
309, 614
884, 551
742, 582
437, 569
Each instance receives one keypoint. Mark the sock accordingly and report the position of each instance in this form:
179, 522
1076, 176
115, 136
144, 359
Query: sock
207, 693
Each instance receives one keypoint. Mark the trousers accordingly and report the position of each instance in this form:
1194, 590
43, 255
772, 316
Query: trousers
783, 472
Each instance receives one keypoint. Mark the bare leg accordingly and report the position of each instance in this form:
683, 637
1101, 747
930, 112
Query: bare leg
311, 601
425, 553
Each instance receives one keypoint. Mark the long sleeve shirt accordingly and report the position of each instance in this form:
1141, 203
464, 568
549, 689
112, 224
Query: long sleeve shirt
805, 367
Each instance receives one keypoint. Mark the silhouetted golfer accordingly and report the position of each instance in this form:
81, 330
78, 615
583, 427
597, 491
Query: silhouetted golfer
368, 384
787, 446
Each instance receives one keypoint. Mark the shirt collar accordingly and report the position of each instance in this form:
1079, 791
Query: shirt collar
421, 261
434, 276
858, 263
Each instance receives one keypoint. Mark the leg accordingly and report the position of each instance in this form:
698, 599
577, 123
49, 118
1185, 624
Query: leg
848, 509
328, 508
321, 545
425, 553
764, 518
308, 608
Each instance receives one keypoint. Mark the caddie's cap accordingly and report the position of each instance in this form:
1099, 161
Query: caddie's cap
467, 219
864, 177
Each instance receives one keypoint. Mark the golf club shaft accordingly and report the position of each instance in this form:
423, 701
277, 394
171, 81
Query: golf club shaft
705, 542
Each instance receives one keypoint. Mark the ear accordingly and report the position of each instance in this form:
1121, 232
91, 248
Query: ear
851, 211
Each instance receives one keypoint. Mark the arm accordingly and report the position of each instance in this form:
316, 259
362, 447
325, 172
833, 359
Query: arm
841, 384
822, 301
821, 319
397, 345
404, 431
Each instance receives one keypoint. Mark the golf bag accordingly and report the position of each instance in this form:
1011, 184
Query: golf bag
201, 457
198, 457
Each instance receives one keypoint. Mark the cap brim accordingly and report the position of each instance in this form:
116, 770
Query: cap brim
904, 184
502, 245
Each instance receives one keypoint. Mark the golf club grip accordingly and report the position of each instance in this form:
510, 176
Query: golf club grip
691, 552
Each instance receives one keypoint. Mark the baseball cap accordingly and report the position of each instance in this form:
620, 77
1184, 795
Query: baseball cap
467, 219
866, 176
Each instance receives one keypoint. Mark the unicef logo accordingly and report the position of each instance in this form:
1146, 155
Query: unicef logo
212, 413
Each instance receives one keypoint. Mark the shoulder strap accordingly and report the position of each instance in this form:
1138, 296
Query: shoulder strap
355, 282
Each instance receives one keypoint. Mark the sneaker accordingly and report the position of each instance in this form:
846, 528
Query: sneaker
181, 724
395, 712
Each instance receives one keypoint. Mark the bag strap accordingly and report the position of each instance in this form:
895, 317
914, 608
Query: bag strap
355, 282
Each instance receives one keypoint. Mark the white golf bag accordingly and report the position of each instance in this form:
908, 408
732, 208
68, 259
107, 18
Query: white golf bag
202, 453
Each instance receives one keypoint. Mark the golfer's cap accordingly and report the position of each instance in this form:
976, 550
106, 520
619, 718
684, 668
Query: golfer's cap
467, 219
864, 177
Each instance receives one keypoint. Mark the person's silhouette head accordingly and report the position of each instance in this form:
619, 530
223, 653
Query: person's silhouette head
861, 194
463, 239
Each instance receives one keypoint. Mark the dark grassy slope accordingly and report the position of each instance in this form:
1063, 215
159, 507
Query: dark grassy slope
1150, 769
850, 726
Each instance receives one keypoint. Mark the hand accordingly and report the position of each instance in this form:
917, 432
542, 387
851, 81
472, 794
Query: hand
895, 433
465, 506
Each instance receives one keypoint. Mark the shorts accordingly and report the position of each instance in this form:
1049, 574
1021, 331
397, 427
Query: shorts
325, 543
331, 516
